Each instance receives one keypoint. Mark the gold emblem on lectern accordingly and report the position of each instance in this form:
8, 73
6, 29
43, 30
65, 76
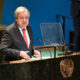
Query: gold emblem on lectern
66, 67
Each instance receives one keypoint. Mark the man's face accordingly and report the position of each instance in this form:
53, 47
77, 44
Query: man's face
23, 19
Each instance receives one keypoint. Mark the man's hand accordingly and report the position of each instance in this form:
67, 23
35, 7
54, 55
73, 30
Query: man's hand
36, 53
24, 55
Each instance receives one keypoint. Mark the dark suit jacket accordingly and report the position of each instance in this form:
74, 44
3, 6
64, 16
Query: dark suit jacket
75, 7
75, 12
12, 42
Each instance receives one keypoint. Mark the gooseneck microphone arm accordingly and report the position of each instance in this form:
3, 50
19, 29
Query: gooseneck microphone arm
54, 46
47, 48
40, 50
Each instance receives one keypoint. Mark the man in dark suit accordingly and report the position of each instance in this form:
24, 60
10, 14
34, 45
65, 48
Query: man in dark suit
75, 13
13, 43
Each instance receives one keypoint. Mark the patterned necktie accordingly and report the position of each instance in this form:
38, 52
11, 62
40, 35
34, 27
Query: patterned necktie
25, 37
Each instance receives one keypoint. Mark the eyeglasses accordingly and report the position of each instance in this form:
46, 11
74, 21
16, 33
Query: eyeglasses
23, 18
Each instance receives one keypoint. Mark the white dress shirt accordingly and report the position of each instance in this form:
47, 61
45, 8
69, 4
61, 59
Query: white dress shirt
27, 35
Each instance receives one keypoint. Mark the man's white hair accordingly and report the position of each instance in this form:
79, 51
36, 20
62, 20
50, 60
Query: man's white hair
21, 9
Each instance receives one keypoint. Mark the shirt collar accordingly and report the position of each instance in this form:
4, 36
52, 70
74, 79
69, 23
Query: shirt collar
21, 28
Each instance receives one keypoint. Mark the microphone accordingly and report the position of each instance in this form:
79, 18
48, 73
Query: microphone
54, 45
50, 44
40, 40
43, 43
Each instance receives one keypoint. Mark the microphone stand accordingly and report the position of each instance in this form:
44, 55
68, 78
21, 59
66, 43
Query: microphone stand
54, 46
47, 47
40, 50
54, 51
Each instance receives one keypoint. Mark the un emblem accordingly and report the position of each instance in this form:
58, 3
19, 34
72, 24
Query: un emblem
66, 67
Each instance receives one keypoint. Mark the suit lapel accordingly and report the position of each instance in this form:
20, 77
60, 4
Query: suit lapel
18, 33
29, 35
20, 37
